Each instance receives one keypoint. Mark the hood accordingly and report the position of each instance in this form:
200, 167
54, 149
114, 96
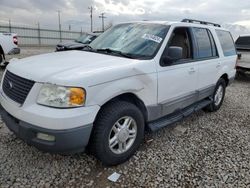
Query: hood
70, 45
69, 66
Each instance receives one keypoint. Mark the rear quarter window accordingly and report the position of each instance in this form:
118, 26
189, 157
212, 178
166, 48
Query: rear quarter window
226, 42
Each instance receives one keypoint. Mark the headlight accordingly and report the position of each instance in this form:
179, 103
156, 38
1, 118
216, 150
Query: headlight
61, 97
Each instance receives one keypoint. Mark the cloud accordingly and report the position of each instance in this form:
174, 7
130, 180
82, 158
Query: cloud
76, 12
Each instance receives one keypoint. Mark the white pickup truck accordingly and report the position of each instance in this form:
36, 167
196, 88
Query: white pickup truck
8, 45
243, 48
134, 76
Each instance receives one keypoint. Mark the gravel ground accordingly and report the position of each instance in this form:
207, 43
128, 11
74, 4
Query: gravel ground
204, 150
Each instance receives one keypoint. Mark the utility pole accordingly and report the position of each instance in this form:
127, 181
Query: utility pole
39, 34
91, 18
60, 26
10, 25
102, 17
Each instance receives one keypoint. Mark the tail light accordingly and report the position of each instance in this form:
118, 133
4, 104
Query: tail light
15, 40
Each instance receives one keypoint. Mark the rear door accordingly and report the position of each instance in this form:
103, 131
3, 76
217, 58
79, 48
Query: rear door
208, 61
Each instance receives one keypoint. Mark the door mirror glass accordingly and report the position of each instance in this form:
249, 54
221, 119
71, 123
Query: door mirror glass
174, 53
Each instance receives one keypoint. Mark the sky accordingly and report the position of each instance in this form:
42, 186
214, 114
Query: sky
76, 12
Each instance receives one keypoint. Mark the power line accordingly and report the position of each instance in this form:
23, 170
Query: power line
102, 17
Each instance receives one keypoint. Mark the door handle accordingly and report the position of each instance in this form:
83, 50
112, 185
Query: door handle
191, 70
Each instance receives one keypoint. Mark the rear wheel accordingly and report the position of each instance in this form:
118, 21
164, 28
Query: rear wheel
118, 132
218, 96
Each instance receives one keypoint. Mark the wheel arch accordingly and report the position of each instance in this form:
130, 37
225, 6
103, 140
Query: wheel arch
131, 98
226, 78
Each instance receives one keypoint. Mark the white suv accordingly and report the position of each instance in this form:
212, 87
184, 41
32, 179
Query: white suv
134, 76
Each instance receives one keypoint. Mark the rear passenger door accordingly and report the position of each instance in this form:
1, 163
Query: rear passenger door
206, 54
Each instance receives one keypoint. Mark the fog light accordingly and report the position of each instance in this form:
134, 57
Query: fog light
46, 137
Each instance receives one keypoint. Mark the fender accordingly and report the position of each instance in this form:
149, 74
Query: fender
143, 86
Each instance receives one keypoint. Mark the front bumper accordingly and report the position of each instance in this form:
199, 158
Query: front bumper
67, 141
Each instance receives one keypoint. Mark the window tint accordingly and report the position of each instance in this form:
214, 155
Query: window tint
227, 43
205, 44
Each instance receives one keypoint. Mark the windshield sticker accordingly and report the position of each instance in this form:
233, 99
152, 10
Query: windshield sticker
152, 37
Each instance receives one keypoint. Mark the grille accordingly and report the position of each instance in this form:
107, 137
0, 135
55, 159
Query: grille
16, 87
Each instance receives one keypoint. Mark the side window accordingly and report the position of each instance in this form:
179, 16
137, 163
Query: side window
226, 42
181, 38
205, 43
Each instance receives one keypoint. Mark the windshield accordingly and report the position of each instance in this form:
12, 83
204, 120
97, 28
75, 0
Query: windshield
138, 39
85, 39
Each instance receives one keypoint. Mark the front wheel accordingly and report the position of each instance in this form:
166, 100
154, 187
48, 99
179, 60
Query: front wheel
118, 132
218, 96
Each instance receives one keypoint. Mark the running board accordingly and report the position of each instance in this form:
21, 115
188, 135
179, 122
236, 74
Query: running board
177, 116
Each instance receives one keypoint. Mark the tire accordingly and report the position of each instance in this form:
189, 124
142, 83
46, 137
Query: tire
105, 127
2, 58
216, 103
2, 54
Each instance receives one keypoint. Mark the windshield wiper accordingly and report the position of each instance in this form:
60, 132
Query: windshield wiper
88, 48
116, 52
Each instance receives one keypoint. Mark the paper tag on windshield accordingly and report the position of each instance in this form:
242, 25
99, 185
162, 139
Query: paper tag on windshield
152, 37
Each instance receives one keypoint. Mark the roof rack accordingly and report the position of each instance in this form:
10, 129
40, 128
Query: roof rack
200, 22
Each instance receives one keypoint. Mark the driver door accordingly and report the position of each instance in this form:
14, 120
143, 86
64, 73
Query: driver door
177, 81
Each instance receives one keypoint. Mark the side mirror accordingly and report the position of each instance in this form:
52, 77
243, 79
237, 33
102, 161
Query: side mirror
174, 53
88, 41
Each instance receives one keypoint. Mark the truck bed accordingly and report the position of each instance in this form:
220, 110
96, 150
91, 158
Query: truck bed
244, 61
